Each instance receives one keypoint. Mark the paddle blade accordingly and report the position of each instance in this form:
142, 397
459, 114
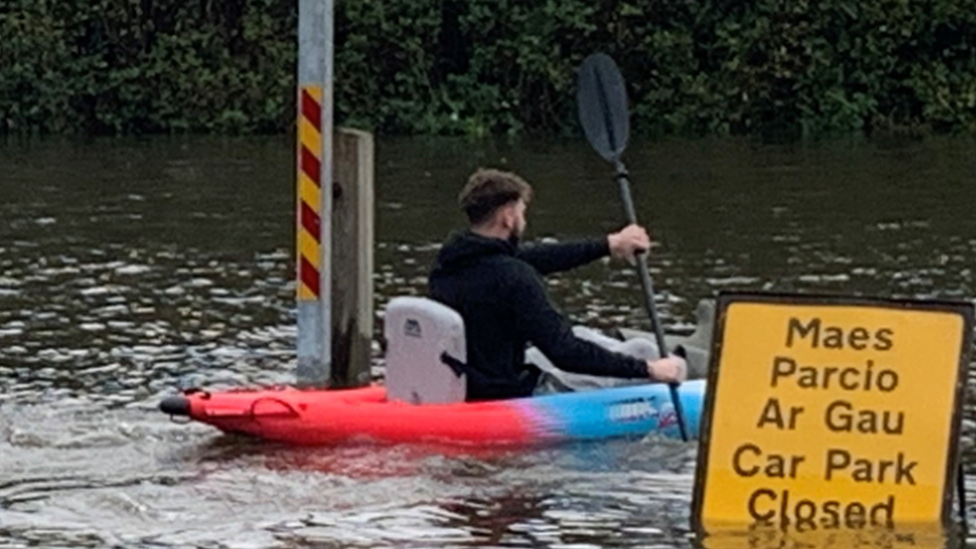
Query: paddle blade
602, 102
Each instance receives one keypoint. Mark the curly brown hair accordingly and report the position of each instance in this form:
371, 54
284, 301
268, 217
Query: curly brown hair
489, 189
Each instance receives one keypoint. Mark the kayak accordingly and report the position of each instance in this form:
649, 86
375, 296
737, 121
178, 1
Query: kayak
332, 416
423, 398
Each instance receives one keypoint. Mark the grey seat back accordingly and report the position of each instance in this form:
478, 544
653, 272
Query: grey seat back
425, 352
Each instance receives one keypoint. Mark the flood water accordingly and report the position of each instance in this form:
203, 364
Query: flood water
130, 267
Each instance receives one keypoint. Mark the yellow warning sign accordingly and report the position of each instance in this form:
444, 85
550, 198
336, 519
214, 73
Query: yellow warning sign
831, 413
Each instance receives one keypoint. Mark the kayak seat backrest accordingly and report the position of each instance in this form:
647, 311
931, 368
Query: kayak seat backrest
425, 352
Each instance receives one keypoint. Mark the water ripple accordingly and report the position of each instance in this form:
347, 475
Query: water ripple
151, 265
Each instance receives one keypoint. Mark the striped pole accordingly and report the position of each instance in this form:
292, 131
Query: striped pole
314, 208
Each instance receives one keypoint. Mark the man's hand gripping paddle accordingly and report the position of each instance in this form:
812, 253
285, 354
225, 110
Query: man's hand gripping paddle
602, 102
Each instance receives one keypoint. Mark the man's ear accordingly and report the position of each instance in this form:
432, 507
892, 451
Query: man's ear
504, 216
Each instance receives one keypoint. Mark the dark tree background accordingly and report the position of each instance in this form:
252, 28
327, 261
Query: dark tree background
694, 67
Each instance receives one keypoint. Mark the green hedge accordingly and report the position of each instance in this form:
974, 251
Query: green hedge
797, 68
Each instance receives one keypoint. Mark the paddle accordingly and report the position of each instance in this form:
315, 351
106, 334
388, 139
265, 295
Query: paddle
602, 102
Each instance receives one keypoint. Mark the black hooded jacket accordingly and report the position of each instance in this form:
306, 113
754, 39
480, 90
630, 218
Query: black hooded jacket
498, 290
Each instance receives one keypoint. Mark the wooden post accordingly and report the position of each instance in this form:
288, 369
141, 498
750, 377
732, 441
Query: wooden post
352, 258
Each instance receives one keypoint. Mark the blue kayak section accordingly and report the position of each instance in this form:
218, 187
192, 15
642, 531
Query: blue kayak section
620, 412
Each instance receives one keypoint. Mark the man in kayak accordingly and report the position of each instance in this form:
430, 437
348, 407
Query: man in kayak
496, 286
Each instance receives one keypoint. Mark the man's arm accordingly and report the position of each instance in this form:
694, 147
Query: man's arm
554, 258
546, 328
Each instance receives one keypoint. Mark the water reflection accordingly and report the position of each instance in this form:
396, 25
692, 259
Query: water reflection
921, 537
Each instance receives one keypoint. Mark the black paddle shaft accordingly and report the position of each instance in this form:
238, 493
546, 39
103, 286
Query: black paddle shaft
648, 290
645, 277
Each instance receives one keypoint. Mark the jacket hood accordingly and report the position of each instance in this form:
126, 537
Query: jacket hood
464, 248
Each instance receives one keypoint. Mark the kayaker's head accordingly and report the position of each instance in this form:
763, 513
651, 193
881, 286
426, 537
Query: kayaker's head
495, 203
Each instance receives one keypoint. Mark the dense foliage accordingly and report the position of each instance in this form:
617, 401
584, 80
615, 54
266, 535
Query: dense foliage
792, 68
